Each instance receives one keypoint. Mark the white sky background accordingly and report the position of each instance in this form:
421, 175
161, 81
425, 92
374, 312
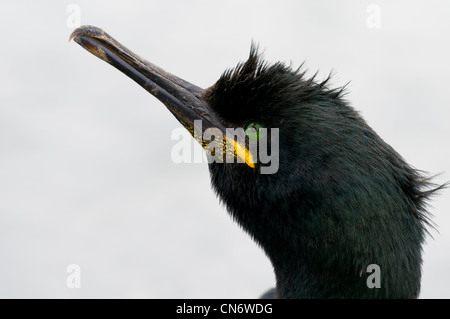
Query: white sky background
85, 170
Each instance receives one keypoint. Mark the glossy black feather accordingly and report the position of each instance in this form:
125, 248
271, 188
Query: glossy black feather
342, 198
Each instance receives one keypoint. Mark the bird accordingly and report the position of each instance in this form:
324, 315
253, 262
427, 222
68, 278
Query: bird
339, 205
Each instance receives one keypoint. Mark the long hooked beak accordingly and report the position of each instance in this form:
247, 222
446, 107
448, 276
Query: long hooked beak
182, 98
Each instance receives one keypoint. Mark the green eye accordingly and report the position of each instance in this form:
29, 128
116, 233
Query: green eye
253, 130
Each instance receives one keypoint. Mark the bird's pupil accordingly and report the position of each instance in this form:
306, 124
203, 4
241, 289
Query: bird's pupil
252, 130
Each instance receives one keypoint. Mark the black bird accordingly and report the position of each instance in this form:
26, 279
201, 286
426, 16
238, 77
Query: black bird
341, 199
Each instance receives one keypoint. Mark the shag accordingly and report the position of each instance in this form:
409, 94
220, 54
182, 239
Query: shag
340, 205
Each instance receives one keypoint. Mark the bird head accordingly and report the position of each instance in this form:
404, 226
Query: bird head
281, 122
302, 172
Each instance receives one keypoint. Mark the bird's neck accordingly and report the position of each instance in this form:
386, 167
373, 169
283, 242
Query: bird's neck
299, 278
323, 248
307, 268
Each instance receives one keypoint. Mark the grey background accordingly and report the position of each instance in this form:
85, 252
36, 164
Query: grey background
86, 175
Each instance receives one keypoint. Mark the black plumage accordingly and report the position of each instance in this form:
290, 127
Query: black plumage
341, 200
